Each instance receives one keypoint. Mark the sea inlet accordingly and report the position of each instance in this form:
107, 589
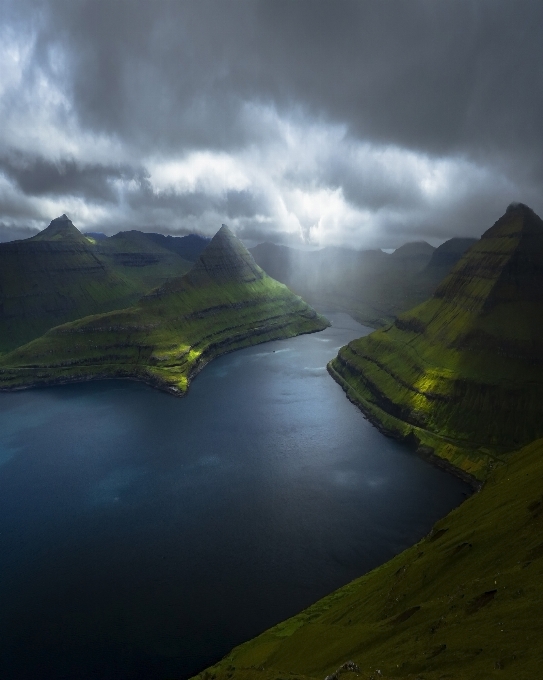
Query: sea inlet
143, 536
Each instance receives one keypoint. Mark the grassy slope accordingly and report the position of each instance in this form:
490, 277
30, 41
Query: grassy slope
171, 334
59, 275
462, 372
464, 603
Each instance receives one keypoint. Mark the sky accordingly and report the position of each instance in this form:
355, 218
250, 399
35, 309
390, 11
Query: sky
305, 122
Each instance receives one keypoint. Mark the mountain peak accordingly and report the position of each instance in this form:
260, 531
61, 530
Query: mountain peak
505, 265
517, 221
225, 259
61, 229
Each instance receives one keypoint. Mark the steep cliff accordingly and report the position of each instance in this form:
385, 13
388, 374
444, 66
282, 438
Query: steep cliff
225, 302
462, 374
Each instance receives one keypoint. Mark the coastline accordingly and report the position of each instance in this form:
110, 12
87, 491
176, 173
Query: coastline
425, 452
211, 352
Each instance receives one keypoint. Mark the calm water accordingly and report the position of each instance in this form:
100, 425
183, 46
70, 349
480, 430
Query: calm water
143, 536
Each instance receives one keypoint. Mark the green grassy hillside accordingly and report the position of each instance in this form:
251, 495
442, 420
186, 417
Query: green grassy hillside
462, 604
225, 302
461, 374
60, 275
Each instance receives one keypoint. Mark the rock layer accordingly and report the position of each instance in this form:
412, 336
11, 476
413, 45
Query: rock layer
462, 374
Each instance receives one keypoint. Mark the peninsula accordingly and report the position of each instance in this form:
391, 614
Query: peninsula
225, 302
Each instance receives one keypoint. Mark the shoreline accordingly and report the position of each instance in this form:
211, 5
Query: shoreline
152, 380
425, 452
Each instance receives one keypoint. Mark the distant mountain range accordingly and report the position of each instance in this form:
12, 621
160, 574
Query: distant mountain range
61, 274
373, 286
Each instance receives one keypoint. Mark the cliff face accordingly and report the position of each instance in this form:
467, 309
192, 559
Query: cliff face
462, 374
224, 303
60, 275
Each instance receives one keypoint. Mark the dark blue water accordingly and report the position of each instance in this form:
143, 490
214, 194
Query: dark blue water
143, 536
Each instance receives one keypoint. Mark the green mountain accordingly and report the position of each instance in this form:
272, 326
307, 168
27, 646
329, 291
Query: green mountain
462, 604
461, 375
60, 275
225, 302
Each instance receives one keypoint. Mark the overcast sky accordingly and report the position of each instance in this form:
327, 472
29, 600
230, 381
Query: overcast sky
327, 123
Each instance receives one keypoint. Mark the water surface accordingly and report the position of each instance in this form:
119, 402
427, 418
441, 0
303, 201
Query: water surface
143, 536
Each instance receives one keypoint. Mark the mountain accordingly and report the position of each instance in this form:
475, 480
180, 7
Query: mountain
461, 375
225, 302
188, 247
464, 603
373, 286
447, 255
60, 275
140, 260
418, 286
62, 230
96, 235
413, 256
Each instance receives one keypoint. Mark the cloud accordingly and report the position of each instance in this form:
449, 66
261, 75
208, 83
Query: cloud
319, 122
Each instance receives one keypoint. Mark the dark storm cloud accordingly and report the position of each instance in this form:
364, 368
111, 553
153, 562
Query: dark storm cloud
455, 86
444, 76
39, 176
233, 204
13, 233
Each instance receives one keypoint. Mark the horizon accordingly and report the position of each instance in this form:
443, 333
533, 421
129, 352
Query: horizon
247, 242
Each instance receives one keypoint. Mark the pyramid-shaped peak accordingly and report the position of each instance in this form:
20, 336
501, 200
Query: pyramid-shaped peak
519, 207
505, 265
518, 220
61, 229
225, 259
225, 234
